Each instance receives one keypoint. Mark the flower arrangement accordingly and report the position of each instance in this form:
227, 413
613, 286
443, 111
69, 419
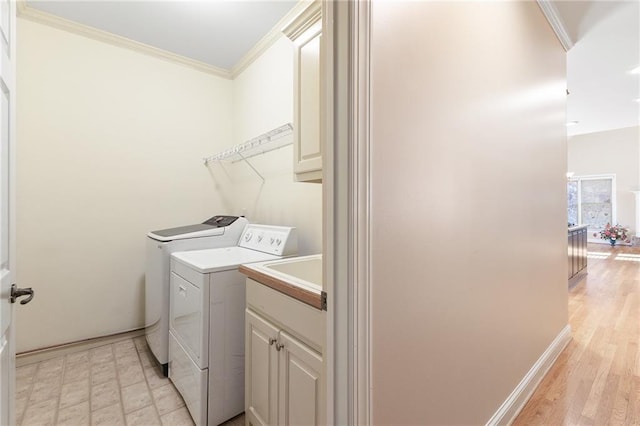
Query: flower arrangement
613, 234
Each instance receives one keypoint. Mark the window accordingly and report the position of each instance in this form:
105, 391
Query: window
572, 194
591, 201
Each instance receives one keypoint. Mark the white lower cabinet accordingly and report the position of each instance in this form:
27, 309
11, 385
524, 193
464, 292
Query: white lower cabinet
284, 384
299, 382
261, 371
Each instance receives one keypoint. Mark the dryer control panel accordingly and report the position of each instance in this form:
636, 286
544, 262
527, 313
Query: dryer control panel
277, 240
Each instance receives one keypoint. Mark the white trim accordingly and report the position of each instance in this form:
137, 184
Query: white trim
346, 27
636, 193
329, 189
304, 20
41, 17
592, 177
20, 6
268, 40
44, 354
35, 15
553, 16
361, 205
347, 205
7, 360
341, 225
512, 406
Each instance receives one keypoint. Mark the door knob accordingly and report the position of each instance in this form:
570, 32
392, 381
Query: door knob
19, 292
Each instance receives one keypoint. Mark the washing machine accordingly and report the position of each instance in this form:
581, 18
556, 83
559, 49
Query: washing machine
218, 231
206, 330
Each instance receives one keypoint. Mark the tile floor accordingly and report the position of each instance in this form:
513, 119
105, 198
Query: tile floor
115, 384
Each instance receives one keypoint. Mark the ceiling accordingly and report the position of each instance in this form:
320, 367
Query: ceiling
603, 93
606, 37
216, 32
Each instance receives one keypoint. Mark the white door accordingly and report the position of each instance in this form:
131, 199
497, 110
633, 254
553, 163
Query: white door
300, 392
261, 371
7, 208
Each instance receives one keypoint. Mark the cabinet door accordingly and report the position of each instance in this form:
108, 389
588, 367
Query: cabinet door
306, 33
261, 371
583, 249
307, 150
300, 388
570, 253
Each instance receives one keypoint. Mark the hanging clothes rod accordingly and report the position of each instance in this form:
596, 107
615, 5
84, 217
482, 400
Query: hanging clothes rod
266, 142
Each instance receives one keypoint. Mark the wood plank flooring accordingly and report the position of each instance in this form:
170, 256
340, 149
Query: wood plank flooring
596, 380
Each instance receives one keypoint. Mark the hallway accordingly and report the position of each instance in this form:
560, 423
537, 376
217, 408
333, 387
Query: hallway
596, 380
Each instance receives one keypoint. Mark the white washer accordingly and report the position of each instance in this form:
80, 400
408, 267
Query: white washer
206, 330
218, 231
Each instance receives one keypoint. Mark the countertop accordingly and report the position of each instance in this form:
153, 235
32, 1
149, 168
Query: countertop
303, 286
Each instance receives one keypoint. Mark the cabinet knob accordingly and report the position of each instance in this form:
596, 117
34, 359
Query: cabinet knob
279, 346
272, 341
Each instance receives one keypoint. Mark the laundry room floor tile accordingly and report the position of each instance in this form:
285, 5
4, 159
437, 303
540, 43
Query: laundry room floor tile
114, 384
135, 397
179, 417
75, 415
167, 399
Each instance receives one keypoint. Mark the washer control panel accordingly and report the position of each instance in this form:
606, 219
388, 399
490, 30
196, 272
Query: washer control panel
278, 240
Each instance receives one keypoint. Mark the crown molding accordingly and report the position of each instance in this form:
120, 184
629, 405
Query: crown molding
269, 39
21, 5
35, 15
551, 13
303, 21
31, 14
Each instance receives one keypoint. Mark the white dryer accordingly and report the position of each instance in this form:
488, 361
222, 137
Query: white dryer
206, 331
218, 231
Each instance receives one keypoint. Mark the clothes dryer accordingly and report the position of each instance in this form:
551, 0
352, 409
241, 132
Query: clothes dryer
206, 330
218, 231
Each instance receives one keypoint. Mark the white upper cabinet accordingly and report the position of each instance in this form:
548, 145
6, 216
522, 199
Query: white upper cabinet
306, 33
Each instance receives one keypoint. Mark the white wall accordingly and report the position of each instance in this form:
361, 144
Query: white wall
468, 213
110, 144
262, 101
611, 152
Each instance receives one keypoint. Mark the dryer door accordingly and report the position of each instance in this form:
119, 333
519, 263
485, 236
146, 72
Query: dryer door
189, 318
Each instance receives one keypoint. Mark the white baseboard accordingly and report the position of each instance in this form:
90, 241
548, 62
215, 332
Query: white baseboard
601, 241
44, 354
509, 409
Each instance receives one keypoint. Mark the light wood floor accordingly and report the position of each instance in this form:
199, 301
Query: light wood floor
596, 380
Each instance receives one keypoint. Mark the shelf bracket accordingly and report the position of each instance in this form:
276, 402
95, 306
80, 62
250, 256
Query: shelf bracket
252, 168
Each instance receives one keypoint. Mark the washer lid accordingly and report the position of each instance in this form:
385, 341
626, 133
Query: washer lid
220, 259
213, 226
189, 231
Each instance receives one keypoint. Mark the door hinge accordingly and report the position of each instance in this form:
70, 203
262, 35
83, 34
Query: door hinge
323, 300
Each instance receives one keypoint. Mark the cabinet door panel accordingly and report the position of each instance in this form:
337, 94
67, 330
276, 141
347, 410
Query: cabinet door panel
569, 256
583, 249
300, 384
309, 104
306, 33
261, 371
